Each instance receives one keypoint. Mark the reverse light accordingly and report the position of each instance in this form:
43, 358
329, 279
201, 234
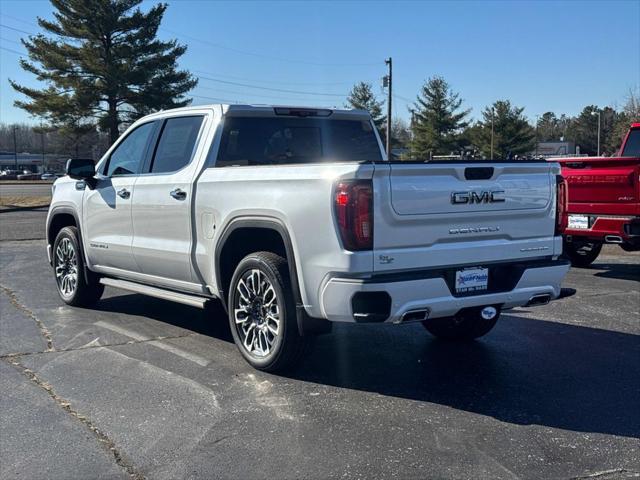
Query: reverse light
561, 204
353, 203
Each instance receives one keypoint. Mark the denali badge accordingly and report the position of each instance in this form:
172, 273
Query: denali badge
456, 231
494, 196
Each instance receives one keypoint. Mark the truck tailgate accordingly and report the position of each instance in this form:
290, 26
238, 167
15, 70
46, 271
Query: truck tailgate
604, 186
444, 214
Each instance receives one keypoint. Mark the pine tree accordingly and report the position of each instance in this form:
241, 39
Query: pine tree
512, 133
552, 128
362, 97
437, 120
103, 64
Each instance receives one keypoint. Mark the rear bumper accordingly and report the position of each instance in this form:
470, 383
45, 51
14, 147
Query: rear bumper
608, 229
432, 294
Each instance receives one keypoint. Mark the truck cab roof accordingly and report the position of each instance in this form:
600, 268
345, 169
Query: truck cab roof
269, 110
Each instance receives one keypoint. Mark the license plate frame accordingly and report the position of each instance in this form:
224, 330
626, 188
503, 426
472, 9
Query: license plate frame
474, 279
578, 222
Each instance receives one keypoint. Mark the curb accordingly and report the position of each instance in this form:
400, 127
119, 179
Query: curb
20, 209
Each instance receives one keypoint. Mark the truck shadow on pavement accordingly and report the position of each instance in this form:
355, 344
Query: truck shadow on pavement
618, 271
190, 318
525, 372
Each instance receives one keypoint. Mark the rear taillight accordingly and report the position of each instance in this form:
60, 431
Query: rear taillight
561, 204
353, 203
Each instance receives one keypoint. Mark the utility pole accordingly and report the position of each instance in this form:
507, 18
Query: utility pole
15, 148
389, 80
537, 122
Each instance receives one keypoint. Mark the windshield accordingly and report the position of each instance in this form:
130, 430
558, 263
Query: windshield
290, 140
632, 147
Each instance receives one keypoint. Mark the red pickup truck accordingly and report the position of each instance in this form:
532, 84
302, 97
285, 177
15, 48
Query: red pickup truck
603, 201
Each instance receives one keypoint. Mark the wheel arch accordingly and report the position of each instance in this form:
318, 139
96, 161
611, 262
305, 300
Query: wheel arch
59, 218
238, 239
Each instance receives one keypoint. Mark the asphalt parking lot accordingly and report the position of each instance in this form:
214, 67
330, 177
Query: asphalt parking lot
143, 388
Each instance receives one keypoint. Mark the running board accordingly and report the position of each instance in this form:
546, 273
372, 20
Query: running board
184, 298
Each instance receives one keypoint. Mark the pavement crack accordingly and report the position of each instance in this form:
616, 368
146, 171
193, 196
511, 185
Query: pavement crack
101, 436
603, 473
13, 298
91, 347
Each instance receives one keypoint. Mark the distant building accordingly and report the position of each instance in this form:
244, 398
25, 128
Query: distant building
555, 149
32, 162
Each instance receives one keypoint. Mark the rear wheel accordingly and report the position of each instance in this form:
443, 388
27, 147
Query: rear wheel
262, 313
630, 247
73, 287
467, 324
582, 254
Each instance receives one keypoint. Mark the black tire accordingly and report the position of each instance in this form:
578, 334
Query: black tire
67, 257
465, 325
582, 254
287, 345
630, 247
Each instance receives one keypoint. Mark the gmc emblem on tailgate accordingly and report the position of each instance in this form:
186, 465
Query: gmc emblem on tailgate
495, 196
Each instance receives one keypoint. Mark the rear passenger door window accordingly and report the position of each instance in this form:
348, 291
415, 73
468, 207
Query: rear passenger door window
176, 145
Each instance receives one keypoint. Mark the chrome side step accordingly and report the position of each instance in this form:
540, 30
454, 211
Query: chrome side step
157, 292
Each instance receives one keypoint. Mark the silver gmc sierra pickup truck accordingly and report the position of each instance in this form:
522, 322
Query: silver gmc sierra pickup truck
294, 218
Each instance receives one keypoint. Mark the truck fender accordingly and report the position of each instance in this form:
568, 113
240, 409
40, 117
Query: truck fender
306, 324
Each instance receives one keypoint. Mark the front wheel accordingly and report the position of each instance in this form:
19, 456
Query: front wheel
582, 254
262, 313
467, 324
73, 287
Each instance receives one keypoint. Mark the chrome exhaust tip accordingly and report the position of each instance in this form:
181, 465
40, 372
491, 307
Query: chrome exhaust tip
613, 239
540, 299
417, 315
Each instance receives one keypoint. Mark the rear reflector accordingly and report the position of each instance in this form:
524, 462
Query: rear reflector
353, 203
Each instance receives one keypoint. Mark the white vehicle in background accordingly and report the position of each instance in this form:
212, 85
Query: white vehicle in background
294, 219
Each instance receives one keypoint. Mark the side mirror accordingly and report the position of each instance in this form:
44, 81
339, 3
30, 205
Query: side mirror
82, 169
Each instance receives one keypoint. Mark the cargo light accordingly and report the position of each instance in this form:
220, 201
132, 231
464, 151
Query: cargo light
353, 203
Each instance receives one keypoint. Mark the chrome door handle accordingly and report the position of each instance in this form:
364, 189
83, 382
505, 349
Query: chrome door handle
178, 194
123, 193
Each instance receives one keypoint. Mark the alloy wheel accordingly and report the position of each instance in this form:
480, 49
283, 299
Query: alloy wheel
257, 313
66, 267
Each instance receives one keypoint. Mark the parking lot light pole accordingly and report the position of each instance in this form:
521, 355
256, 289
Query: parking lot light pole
599, 113
15, 148
492, 113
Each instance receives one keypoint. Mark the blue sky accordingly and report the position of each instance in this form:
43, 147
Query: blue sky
544, 56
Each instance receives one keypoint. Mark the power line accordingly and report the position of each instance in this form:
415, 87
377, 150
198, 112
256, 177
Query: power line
282, 90
21, 20
215, 99
3, 39
255, 54
225, 47
277, 82
15, 29
13, 51
230, 76
399, 97
250, 94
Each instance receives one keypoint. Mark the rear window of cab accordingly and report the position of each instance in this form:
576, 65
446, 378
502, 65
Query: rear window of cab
292, 140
